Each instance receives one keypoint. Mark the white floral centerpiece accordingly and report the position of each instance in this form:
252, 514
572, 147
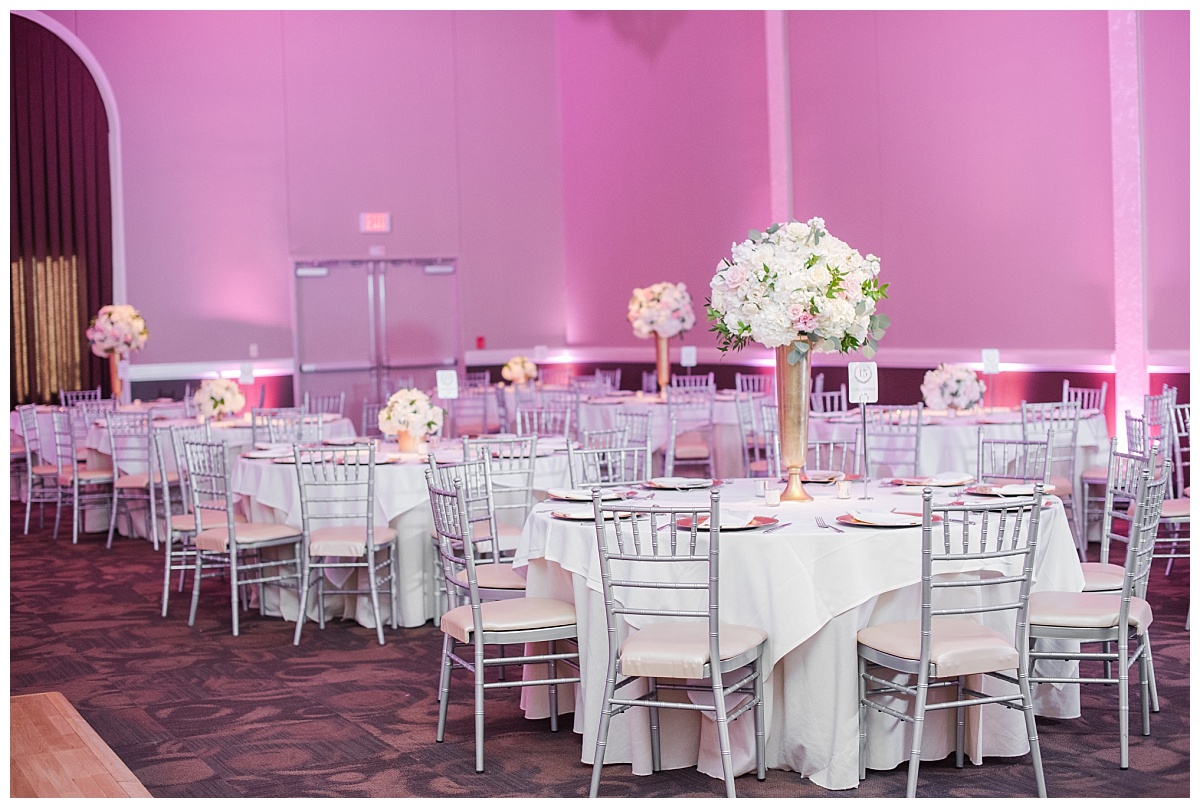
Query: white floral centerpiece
117, 330
217, 397
519, 370
410, 416
793, 281
664, 309
952, 387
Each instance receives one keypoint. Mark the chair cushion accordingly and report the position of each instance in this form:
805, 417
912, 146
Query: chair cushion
143, 480
87, 477
1099, 577
494, 576
186, 522
216, 539
960, 646
45, 471
1086, 610
347, 540
691, 446
1096, 475
1063, 485
680, 650
1177, 508
517, 614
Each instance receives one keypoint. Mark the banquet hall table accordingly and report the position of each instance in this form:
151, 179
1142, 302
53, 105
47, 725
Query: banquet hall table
268, 491
600, 413
812, 590
164, 407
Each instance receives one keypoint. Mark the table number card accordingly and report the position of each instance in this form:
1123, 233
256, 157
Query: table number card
447, 384
687, 356
991, 361
864, 382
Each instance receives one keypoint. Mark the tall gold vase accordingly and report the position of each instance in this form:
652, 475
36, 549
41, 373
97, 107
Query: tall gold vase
792, 384
662, 361
113, 375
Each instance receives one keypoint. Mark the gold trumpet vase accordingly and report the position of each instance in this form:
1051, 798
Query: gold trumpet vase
662, 361
792, 386
113, 375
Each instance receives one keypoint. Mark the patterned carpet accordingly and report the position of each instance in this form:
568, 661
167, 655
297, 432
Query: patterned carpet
196, 712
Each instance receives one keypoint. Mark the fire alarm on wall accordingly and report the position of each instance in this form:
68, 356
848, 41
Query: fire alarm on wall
374, 222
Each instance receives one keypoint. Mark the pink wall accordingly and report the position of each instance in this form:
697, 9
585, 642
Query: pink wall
664, 155
970, 151
1165, 62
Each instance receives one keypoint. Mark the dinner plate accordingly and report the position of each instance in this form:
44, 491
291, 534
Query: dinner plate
817, 476
268, 454
882, 519
1010, 490
621, 393
585, 515
944, 480
678, 483
730, 522
343, 441
284, 460
580, 494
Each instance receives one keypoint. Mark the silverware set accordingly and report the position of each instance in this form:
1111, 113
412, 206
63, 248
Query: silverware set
822, 523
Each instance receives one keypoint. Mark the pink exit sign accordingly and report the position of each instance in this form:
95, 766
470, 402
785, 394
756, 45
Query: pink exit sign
374, 222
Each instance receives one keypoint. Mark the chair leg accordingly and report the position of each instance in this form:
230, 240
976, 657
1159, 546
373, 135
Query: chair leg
302, 602
444, 686
553, 667
1144, 684
914, 759
196, 574
610, 687
166, 595
655, 735
28, 506
394, 567
760, 730
1150, 672
234, 588
862, 719
112, 514
1123, 696
1035, 748
723, 738
478, 705
960, 726
372, 551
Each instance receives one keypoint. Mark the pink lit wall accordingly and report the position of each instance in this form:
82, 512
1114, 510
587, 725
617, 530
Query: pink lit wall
1165, 64
664, 156
970, 150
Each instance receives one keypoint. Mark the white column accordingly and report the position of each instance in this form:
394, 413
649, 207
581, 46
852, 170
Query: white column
1129, 215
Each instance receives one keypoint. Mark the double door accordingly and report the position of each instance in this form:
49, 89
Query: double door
368, 327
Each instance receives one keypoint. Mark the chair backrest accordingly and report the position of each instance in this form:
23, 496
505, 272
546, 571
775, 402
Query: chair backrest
1124, 474
511, 465
691, 406
401, 382
66, 444
747, 405
501, 409
637, 423
818, 383
1157, 412
755, 383
591, 385
478, 501
476, 378
830, 401
613, 438
834, 455
87, 412
957, 540
1062, 417
613, 376
526, 395
129, 439
1088, 398
454, 529
208, 476
556, 374
1143, 532
606, 467
468, 412
543, 422
769, 424
69, 398
1181, 457
258, 420
334, 403
370, 418
337, 486
294, 427
1137, 438
892, 443
1005, 461
168, 443
649, 381
656, 548
30, 432
706, 381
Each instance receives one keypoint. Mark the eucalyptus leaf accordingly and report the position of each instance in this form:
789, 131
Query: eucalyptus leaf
881, 320
868, 350
754, 235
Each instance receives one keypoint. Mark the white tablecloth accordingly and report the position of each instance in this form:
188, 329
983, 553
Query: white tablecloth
811, 589
270, 493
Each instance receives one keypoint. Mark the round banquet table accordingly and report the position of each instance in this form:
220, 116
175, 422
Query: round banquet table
600, 413
811, 589
268, 492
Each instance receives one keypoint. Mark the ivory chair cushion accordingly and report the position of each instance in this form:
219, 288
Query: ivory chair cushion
45, 471
347, 540
960, 646
216, 539
1177, 508
494, 576
1063, 485
143, 480
1096, 475
186, 522
1099, 577
87, 477
1086, 610
517, 614
672, 650
691, 446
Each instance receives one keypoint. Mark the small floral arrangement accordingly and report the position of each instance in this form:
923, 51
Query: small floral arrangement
519, 370
219, 397
664, 309
118, 329
952, 387
410, 411
793, 281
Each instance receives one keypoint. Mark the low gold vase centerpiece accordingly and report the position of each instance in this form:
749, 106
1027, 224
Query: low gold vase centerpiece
409, 415
662, 311
797, 289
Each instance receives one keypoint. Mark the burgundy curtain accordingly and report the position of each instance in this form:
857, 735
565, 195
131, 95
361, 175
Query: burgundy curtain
61, 211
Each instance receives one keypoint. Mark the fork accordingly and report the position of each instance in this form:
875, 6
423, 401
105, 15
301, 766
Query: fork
822, 523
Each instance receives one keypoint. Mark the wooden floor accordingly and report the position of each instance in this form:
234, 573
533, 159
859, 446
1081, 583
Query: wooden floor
54, 753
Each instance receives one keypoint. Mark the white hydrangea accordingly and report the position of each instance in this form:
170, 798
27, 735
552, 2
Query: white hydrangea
219, 397
952, 387
117, 329
410, 411
664, 309
519, 370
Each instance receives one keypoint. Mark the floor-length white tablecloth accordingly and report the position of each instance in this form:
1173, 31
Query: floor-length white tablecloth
811, 589
270, 493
